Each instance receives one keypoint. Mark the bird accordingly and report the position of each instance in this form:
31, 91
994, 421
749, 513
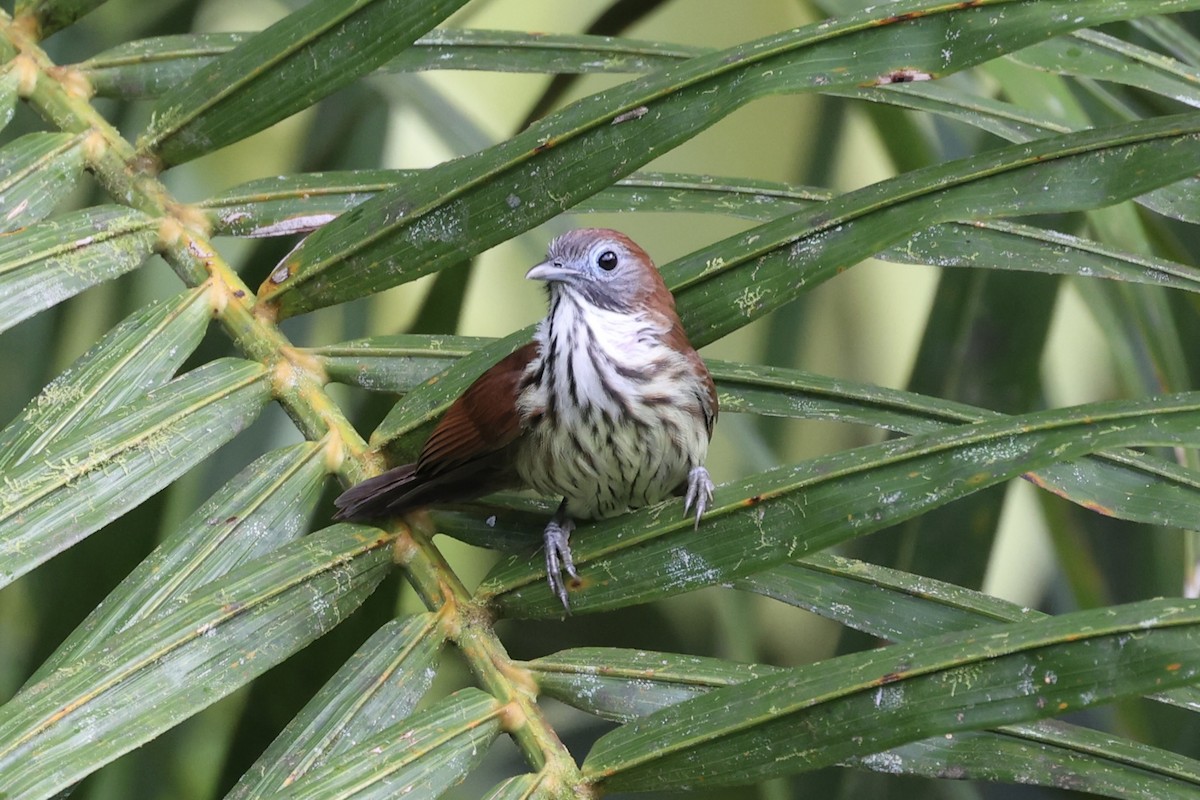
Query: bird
609, 408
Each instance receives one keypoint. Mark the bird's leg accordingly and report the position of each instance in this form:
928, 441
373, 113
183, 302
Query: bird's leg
699, 492
558, 552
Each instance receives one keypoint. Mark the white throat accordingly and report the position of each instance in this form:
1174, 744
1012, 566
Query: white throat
596, 350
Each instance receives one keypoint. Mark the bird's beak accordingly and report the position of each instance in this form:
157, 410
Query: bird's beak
549, 272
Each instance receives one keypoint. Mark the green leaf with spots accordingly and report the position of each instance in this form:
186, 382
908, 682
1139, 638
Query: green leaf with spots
45, 263
285, 68
809, 717
465, 206
103, 469
36, 172
376, 688
162, 670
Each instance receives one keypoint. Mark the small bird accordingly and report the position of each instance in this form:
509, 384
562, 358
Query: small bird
609, 407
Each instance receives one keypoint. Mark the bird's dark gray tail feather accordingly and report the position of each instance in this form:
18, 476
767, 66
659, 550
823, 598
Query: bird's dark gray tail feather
381, 496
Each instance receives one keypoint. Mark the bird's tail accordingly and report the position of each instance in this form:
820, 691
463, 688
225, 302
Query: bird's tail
381, 496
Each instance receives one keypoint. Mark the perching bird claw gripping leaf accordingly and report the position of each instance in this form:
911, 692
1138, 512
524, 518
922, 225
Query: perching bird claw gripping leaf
784, 513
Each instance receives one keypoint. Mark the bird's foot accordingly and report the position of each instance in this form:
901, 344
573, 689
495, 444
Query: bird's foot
699, 492
558, 556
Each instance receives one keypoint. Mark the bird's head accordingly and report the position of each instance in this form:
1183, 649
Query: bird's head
603, 268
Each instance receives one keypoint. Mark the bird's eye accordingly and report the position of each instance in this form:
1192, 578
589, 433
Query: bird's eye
607, 261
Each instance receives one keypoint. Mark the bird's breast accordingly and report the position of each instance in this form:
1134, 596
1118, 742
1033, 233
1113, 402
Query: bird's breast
612, 415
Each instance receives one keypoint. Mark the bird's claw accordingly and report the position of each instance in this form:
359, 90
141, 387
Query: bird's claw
699, 492
558, 558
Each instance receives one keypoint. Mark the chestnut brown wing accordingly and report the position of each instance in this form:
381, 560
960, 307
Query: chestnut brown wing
482, 421
465, 456
677, 339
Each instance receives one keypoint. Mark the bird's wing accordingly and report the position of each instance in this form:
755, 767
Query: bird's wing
482, 421
463, 457
677, 339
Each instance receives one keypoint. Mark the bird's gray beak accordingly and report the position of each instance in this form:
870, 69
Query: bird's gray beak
548, 271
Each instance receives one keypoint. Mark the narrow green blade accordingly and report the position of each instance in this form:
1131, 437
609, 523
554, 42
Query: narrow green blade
773, 263
556, 54
1046, 753
1171, 36
395, 363
897, 606
54, 15
887, 603
1119, 483
97, 473
289, 66
264, 507
624, 684
150, 67
36, 172
140, 354
1098, 55
292, 204
417, 758
462, 207
50, 261
380, 684
161, 671
809, 717
807, 507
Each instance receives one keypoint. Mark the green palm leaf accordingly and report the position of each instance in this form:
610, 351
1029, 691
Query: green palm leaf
166, 604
